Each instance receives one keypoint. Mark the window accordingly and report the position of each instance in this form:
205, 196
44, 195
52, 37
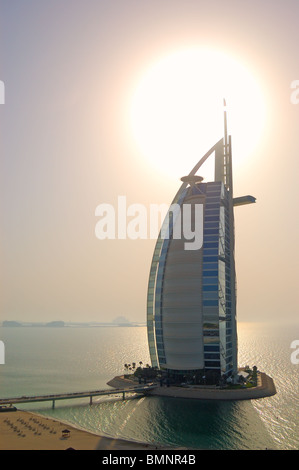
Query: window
210, 280
209, 363
211, 238
211, 325
210, 224
211, 231
211, 211
209, 245
210, 273
211, 341
210, 288
212, 356
162, 259
210, 251
210, 296
211, 348
212, 218
211, 332
211, 259
210, 303
210, 265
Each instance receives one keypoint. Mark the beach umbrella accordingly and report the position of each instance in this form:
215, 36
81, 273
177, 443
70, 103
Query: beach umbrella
66, 432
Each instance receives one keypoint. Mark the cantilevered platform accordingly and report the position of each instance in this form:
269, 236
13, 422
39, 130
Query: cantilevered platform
241, 201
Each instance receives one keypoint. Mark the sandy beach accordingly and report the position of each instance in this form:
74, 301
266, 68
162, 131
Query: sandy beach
22, 430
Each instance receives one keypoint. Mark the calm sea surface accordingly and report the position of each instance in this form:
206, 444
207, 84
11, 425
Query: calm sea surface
49, 360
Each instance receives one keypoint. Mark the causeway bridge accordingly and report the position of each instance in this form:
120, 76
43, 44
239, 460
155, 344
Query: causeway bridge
142, 390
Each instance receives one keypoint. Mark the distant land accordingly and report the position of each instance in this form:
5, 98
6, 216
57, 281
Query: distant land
117, 322
15, 324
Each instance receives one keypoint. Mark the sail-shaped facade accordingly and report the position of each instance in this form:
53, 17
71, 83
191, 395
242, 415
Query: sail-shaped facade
191, 301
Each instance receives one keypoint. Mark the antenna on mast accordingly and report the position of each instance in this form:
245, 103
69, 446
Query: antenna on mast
225, 126
227, 155
223, 169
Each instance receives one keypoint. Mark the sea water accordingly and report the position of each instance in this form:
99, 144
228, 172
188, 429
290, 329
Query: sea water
56, 360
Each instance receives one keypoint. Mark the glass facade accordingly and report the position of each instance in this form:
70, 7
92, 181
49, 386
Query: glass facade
216, 291
191, 301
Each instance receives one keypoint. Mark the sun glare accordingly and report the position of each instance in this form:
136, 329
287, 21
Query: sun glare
176, 112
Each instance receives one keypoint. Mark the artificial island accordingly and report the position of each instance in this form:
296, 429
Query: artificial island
191, 300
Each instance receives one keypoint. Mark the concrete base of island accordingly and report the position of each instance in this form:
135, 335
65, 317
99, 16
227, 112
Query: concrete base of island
265, 388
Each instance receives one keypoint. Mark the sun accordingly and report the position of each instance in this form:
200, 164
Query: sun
176, 111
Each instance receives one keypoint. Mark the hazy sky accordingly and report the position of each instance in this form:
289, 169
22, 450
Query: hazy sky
70, 69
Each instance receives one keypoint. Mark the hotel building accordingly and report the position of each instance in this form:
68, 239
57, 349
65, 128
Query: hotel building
191, 301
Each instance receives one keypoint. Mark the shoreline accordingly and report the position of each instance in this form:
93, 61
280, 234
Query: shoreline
265, 388
26, 430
